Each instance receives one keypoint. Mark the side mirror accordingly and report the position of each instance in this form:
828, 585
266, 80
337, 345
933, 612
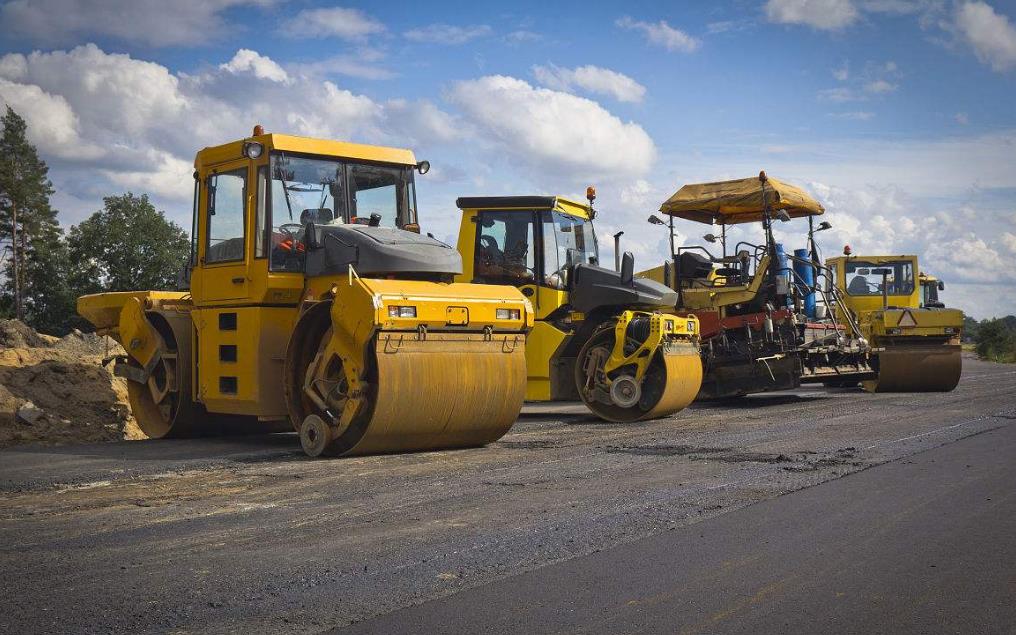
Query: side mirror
941, 286
627, 268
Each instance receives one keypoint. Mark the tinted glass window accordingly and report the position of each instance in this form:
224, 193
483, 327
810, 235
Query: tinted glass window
865, 278
505, 249
226, 197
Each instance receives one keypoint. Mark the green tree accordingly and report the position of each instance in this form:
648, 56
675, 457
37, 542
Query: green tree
996, 340
35, 285
128, 245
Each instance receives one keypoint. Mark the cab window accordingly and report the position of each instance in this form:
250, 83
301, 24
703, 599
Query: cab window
226, 216
865, 278
505, 250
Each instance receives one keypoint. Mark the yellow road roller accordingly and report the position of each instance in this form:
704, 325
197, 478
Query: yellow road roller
312, 300
600, 334
915, 338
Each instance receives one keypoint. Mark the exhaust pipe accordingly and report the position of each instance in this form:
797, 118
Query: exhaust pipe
617, 251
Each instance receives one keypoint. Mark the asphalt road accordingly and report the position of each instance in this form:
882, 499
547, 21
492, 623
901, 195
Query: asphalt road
919, 545
245, 534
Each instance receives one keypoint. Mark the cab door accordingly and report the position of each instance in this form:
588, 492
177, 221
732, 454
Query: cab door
222, 271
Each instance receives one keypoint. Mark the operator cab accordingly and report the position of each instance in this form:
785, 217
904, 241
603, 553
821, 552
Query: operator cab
529, 240
331, 191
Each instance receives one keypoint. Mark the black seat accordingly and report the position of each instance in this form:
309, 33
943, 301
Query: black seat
690, 265
316, 215
858, 286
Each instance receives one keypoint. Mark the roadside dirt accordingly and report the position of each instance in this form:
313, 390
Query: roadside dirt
55, 390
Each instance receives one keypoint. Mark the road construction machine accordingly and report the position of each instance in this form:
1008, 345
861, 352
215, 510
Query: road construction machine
599, 335
313, 302
762, 329
915, 339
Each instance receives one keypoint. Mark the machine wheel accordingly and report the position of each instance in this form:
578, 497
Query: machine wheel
671, 382
163, 407
315, 435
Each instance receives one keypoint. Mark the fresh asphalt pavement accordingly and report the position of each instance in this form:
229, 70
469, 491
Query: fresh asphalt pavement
724, 517
919, 545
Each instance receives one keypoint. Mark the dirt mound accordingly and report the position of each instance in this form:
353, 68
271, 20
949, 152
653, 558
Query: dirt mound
15, 334
55, 390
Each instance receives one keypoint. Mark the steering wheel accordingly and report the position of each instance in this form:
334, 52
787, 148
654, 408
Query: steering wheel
290, 229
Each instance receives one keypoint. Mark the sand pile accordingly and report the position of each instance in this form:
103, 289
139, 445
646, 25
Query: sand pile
55, 390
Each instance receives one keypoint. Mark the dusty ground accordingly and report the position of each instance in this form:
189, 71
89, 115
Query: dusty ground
247, 535
75, 399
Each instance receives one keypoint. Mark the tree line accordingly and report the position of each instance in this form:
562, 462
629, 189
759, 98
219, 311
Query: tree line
126, 245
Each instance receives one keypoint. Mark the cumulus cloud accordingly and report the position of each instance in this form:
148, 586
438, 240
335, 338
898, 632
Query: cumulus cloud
827, 15
592, 79
110, 120
151, 22
555, 131
990, 34
338, 22
248, 61
661, 34
447, 33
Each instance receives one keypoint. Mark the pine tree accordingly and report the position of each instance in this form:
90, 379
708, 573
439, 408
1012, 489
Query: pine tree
35, 287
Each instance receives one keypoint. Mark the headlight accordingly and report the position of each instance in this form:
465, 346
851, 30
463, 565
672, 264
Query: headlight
253, 149
401, 311
691, 326
893, 331
508, 314
950, 330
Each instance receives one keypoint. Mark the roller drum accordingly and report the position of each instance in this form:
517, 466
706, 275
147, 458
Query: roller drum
671, 382
933, 368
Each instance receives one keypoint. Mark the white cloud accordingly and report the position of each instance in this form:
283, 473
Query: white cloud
661, 34
521, 36
828, 15
842, 73
340, 22
839, 95
447, 33
248, 61
151, 22
553, 132
591, 78
990, 34
880, 87
52, 125
961, 118
1009, 242
108, 121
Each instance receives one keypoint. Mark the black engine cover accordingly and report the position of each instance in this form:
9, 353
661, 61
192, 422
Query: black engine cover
594, 287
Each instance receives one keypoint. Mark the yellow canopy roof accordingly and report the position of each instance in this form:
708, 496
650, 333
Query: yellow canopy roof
739, 201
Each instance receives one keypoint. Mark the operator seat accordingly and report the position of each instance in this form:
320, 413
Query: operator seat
691, 266
858, 286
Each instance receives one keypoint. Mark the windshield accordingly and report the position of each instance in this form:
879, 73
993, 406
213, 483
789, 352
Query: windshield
865, 278
568, 240
330, 191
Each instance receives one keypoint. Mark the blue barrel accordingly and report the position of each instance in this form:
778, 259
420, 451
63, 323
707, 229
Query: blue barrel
805, 276
783, 267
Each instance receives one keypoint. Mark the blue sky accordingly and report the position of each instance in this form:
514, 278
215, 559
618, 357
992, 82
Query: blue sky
897, 114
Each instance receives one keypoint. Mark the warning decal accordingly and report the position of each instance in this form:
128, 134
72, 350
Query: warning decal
907, 319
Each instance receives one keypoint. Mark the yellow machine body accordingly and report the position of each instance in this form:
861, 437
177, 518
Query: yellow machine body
917, 340
375, 364
670, 354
